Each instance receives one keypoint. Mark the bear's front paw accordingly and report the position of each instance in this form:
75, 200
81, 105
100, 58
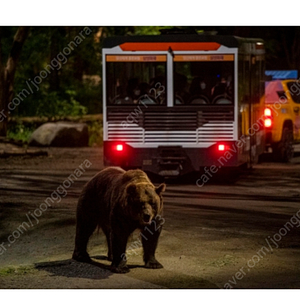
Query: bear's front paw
81, 257
153, 264
120, 268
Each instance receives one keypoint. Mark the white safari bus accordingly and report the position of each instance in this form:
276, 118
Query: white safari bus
175, 103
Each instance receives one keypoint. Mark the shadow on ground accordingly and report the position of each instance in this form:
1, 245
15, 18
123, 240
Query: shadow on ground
96, 270
72, 268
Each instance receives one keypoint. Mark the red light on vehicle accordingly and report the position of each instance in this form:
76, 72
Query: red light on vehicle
119, 147
221, 147
268, 123
268, 112
268, 118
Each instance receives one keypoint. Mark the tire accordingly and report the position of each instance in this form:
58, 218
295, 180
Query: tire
284, 150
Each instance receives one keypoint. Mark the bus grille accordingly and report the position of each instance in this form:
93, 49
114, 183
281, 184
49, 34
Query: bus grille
169, 121
172, 127
132, 133
216, 131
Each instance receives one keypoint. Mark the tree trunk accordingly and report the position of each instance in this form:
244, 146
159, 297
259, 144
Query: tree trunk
7, 74
56, 38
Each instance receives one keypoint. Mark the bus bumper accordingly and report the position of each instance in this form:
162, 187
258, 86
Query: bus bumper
171, 161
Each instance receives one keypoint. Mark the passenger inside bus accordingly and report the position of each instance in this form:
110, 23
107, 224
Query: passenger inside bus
136, 93
222, 91
132, 83
181, 89
199, 92
219, 88
203, 83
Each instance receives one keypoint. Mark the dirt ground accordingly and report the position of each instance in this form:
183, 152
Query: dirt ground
209, 237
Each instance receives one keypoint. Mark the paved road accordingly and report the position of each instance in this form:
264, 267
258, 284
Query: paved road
240, 234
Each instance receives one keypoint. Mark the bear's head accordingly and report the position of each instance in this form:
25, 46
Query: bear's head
144, 201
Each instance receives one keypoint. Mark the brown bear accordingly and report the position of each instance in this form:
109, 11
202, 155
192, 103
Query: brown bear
119, 202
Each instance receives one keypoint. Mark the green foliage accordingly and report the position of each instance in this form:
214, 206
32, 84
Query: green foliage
16, 270
20, 132
7, 271
134, 30
148, 30
56, 105
95, 133
45, 45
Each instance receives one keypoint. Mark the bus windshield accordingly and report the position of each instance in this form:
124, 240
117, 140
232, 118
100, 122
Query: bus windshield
203, 79
135, 79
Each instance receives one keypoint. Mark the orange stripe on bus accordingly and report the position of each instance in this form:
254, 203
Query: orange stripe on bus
135, 58
204, 57
166, 46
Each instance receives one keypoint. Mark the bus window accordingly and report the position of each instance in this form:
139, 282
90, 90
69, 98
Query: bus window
135, 82
203, 82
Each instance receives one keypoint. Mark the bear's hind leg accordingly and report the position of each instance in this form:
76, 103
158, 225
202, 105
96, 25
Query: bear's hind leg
83, 232
107, 232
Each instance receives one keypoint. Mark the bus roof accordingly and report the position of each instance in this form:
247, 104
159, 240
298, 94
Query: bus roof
228, 41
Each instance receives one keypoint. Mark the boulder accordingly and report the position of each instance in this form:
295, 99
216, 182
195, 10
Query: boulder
60, 134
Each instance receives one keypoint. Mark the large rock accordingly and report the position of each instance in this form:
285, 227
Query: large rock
60, 134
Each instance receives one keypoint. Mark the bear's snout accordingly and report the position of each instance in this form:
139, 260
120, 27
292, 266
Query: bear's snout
146, 218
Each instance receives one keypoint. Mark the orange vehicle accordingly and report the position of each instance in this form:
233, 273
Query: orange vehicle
282, 100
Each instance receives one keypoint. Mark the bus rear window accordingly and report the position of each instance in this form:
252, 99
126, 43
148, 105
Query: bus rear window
136, 79
203, 79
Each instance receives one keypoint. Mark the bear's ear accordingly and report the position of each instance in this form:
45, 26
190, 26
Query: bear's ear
131, 189
159, 190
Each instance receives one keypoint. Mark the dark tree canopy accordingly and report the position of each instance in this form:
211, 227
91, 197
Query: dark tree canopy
57, 70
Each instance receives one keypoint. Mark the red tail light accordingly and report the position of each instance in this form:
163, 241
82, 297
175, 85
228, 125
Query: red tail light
268, 118
221, 147
119, 147
268, 123
268, 112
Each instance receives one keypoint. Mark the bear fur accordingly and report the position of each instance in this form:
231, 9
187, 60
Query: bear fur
120, 202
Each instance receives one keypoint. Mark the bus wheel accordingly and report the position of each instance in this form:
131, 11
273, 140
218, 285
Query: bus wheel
284, 150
